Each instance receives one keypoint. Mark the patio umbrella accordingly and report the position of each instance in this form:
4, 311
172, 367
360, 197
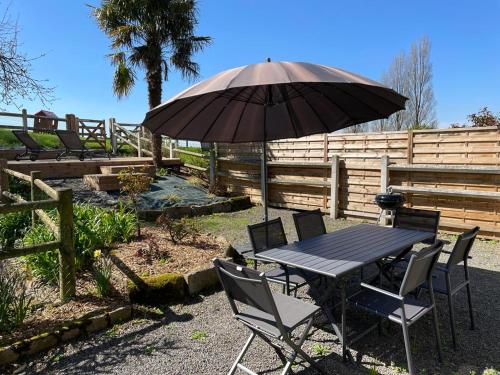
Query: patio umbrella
269, 101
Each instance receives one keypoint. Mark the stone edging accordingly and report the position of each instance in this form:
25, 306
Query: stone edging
72, 330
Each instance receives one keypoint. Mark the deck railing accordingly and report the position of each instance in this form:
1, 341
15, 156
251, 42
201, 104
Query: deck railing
62, 201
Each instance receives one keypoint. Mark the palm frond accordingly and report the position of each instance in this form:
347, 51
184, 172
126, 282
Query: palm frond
123, 80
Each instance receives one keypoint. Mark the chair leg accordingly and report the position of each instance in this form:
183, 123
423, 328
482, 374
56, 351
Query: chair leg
406, 337
471, 311
451, 311
436, 332
242, 353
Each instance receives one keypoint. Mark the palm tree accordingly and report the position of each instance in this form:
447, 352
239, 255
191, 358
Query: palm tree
155, 35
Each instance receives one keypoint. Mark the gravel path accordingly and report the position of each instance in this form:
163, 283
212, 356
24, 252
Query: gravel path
202, 338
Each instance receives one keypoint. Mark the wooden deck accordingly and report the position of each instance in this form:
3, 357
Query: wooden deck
77, 168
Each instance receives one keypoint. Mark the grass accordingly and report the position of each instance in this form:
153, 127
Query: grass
321, 349
193, 160
199, 335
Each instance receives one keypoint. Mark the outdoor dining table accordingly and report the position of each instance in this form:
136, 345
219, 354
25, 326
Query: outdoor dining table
338, 255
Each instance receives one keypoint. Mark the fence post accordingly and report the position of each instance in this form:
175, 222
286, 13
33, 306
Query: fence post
35, 194
25, 119
4, 180
384, 181
67, 278
71, 122
139, 145
334, 187
171, 148
213, 172
112, 135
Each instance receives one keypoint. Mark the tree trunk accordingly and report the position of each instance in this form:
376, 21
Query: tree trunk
154, 79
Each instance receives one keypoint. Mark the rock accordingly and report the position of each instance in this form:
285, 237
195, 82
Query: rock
7, 355
70, 334
41, 342
201, 279
97, 323
120, 315
161, 289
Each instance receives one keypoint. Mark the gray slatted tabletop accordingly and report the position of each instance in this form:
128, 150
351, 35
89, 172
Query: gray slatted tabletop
341, 252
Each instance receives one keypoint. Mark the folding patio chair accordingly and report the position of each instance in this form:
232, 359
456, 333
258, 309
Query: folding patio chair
403, 308
74, 146
441, 277
268, 315
268, 235
33, 149
309, 224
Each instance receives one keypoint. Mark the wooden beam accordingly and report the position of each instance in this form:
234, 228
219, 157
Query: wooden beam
447, 192
67, 270
334, 187
384, 180
14, 252
25, 206
480, 169
17, 174
197, 154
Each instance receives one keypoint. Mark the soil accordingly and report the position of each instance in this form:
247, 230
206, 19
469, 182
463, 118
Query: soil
152, 254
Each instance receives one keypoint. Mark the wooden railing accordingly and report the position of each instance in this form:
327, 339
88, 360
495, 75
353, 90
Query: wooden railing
92, 131
62, 201
30, 122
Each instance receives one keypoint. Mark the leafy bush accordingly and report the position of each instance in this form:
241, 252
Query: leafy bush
12, 227
177, 229
95, 228
15, 300
19, 187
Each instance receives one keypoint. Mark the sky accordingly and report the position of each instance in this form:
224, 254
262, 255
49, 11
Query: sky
362, 36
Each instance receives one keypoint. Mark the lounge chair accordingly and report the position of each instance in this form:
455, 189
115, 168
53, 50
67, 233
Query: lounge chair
74, 146
33, 149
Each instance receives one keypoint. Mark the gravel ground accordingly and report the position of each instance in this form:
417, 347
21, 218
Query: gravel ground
202, 338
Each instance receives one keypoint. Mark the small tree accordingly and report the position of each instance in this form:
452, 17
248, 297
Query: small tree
133, 184
484, 118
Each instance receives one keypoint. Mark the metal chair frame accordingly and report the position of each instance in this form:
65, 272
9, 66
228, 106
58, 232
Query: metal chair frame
250, 287
313, 215
420, 268
74, 146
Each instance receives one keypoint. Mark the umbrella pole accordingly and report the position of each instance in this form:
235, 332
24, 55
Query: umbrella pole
263, 179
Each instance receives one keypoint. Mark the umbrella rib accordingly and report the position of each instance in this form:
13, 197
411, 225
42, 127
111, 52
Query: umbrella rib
220, 113
360, 101
189, 102
290, 110
364, 88
241, 114
198, 113
330, 100
317, 115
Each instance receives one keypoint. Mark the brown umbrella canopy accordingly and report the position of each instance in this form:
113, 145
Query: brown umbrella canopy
272, 100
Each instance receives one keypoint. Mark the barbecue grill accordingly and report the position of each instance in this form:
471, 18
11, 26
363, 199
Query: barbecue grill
389, 202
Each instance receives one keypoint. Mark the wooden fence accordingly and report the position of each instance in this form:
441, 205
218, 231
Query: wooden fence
43, 197
300, 173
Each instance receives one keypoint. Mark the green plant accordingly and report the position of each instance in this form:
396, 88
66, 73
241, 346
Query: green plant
195, 181
12, 227
320, 349
177, 229
133, 184
149, 349
490, 371
15, 299
102, 273
373, 371
199, 335
162, 172
95, 228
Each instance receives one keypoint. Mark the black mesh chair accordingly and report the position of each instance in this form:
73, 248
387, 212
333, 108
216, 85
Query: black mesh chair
269, 316
309, 224
442, 276
411, 218
74, 146
268, 235
403, 308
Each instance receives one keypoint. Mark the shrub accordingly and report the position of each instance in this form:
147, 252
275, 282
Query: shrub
12, 227
177, 229
102, 273
15, 300
95, 228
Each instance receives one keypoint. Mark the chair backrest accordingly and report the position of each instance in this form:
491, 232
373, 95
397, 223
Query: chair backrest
462, 247
26, 140
246, 286
309, 224
411, 218
420, 268
70, 139
267, 235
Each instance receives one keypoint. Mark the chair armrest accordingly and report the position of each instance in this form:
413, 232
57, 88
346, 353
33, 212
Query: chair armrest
446, 252
382, 291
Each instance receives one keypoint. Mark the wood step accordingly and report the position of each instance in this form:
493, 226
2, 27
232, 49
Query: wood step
138, 168
104, 182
